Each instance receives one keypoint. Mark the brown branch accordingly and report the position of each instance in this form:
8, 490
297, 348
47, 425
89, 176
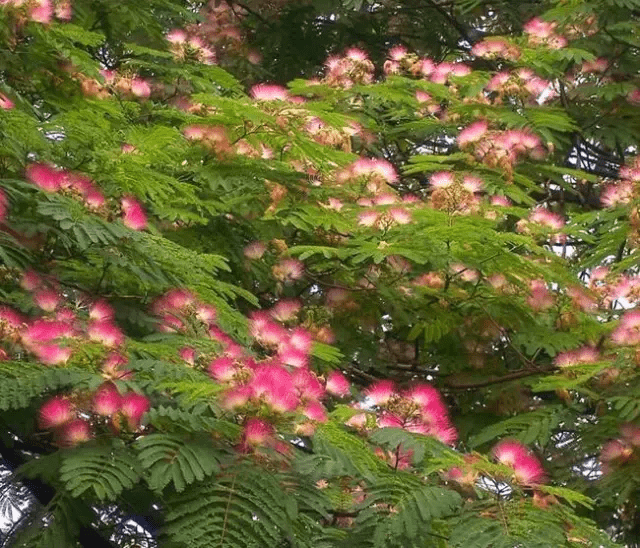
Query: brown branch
521, 373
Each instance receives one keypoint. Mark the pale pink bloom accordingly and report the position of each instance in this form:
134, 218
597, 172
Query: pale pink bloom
288, 270
368, 218
188, 354
631, 172
619, 193
274, 385
628, 330
65, 315
113, 366
599, 273
433, 280
333, 203
540, 297
176, 36
206, 313
631, 433
500, 201
441, 179
356, 54
106, 333
140, 88
509, 452
381, 392
75, 432
465, 273
94, 199
389, 420
195, 132
236, 397
397, 53
586, 354
315, 411
133, 407
529, 471
614, 451
472, 184
301, 339
133, 215
255, 250
385, 199
293, 357
41, 11
365, 202
40, 331
460, 69
51, 354
271, 334
539, 28
45, 176
63, 10
498, 81
422, 96
176, 299
257, 432
423, 394
634, 96
46, 299
357, 421
543, 216
106, 400
126, 148
4, 205
101, 310
269, 92
286, 310
55, 412
444, 433
337, 384
472, 133
400, 215
5, 102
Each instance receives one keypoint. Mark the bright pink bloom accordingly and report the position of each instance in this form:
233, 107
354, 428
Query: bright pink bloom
541, 298
315, 411
301, 339
106, 333
381, 392
508, 452
133, 407
357, 421
257, 432
45, 176
101, 310
236, 397
269, 92
107, 400
472, 133
133, 215
51, 354
41, 11
288, 270
30, 280
206, 313
286, 310
400, 215
42, 331
55, 412
222, 369
46, 299
368, 218
389, 420
113, 366
9, 318
188, 354
293, 357
442, 179
75, 432
307, 385
543, 216
5, 102
337, 384
527, 468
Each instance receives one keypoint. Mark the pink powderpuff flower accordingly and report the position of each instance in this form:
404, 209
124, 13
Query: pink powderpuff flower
634, 97
586, 354
368, 218
274, 385
188, 354
541, 298
627, 333
30, 280
255, 250
620, 193
55, 412
423, 394
631, 433
41, 11
288, 270
315, 411
222, 369
140, 88
236, 397
101, 310
389, 420
293, 357
337, 384
5, 102
176, 36
423, 96
381, 392
51, 354
358, 420
133, 215
107, 400
74, 432
398, 53
472, 133
46, 299
176, 299
445, 433
400, 215
500, 201
113, 366
509, 451
269, 92
307, 385
257, 432
286, 310
64, 11
43, 331
133, 406
45, 176
544, 217
301, 339
106, 333
527, 468
539, 28
441, 179
206, 313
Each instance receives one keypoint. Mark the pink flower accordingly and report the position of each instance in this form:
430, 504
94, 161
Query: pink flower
257, 432
527, 468
315, 412
441, 179
101, 310
106, 333
357, 421
236, 397
293, 357
255, 250
51, 354
41, 11
543, 216
301, 339
307, 385
472, 133
133, 407
381, 392
222, 369
286, 310
42, 331
133, 215
5, 102
107, 400
400, 215
540, 298
188, 354
288, 270
368, 218
55, 412
74, 432
206, 313
140, 88
46, 299
45, 176
337, 384
269, 92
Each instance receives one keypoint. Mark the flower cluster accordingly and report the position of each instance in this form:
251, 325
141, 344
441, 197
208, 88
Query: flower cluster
52, 179
39, 11
418, 409
354, 67
617, 452
401, 61
625, 190
541, 32
521, 83
458, 194
526, 467
496, 48
74, 418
